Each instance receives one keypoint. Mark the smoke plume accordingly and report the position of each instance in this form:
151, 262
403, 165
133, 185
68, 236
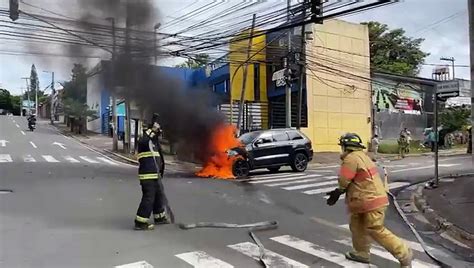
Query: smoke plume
186, 114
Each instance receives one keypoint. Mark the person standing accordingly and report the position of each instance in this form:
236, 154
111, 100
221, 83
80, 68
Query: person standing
367, 201
375, 144
150, 170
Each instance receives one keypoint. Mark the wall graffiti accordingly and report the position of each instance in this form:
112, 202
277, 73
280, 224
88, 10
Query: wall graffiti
397, 97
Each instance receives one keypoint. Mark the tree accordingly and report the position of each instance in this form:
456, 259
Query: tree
34, 85
455, 118
74, 99
5, 100
16, 106
393, 52
199, 61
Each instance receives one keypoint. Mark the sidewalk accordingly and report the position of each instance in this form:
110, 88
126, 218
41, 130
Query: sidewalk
448, 211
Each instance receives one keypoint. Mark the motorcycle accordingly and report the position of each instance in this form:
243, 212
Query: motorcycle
32, 124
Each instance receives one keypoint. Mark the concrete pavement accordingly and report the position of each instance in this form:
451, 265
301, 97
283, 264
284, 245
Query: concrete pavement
65, 214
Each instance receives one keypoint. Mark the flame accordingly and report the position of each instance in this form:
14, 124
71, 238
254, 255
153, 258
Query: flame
219, 164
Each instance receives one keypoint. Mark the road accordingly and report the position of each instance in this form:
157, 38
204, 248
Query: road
80, 213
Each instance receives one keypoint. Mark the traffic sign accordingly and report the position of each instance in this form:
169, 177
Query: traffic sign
280, 74
443, 96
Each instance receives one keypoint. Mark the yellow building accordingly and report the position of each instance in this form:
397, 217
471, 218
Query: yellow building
338, 83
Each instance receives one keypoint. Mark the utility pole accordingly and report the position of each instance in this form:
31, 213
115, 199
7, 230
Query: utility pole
128, 54
452, 60
244, 80
53, 92
302, 68
435, 129
471, 47
112, 85
287, 66
27, 92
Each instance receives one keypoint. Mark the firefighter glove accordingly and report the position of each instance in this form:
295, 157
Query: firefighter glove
334, 196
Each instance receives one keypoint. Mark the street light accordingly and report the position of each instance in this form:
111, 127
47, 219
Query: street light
52, 96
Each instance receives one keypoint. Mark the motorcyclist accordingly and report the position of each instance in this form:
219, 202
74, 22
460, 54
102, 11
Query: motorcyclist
31, 120
367, 201
150, 171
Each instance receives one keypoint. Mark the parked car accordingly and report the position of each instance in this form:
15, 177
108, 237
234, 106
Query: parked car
271, 149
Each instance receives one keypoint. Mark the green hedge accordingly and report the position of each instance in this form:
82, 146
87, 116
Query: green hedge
391, 147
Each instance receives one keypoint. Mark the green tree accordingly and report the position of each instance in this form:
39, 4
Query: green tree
33, 86
392, 51
16, 106
455, 118
5, 100
74, 99
197, 62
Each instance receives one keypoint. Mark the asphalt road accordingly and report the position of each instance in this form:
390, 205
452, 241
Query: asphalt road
67, 213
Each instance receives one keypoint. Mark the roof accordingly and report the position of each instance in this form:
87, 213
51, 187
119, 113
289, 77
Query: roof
413, 79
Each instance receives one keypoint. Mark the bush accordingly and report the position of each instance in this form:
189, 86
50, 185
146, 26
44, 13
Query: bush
391, 147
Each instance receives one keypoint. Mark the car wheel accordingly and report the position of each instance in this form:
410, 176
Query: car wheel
241, 168
274, 169
300, 162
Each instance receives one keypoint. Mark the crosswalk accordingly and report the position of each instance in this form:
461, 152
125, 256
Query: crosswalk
330, 258
311, 183
28, 158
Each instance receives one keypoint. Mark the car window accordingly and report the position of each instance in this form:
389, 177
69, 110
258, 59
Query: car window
295, 136
266, 138
280, 136
247, 138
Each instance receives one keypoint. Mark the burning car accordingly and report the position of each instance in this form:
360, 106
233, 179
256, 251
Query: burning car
271, 149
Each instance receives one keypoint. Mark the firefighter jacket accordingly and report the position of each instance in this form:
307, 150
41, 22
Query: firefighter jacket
151, 163
360, 178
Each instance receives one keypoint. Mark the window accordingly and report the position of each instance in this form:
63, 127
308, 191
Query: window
294, 135
280, 136
266, 138
256, 81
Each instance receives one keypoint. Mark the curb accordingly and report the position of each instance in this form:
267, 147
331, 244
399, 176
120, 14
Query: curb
441, 225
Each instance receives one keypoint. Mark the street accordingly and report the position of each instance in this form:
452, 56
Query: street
65, 213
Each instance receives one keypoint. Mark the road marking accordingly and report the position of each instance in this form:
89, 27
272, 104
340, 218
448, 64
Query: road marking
71, 159
4, 158
277, 175
319, 191
311, 185
425, 167
34, 145
22, 132
397, 184
283, 179
50, 159
271, 258
85, 158
315, 250
4, 142
107, 161
138, 264
18, 126
60, 145
295, 182
201, 259
379, 251
334, 166
29, 158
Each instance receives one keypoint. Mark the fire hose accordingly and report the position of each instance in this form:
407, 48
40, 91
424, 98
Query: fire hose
252, 227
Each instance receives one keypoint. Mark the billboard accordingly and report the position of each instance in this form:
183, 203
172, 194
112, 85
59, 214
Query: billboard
397, 97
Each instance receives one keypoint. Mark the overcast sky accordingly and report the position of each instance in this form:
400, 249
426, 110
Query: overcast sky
443, 24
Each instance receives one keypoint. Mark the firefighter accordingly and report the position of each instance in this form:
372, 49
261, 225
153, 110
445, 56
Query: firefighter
366, 198
150, 170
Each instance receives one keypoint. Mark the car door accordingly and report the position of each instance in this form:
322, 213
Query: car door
263, 149
282, 148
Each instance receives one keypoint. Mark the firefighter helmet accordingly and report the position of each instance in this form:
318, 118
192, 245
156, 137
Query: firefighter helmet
351, 140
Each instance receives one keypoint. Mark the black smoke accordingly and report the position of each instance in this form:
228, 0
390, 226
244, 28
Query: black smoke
186, 113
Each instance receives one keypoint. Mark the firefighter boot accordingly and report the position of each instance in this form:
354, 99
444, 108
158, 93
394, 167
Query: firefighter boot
143, 226
406, 261
353, 256
161, 218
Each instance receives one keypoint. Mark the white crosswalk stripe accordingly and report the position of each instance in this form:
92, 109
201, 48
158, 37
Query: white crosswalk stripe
29, 159
319, 191
272, 259
85, 158
311, 185
50, 159
377, 250
201, 259
5, 158
316, 250
285, 178
108, 161
71, 159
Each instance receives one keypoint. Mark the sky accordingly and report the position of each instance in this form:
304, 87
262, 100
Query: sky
443, 26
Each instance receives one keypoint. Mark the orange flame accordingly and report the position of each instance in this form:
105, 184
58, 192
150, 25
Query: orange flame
219, 164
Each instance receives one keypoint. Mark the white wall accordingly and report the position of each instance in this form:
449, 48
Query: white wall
94, 88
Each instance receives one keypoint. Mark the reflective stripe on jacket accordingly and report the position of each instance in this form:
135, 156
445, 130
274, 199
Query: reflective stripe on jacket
148, 160
359, 176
